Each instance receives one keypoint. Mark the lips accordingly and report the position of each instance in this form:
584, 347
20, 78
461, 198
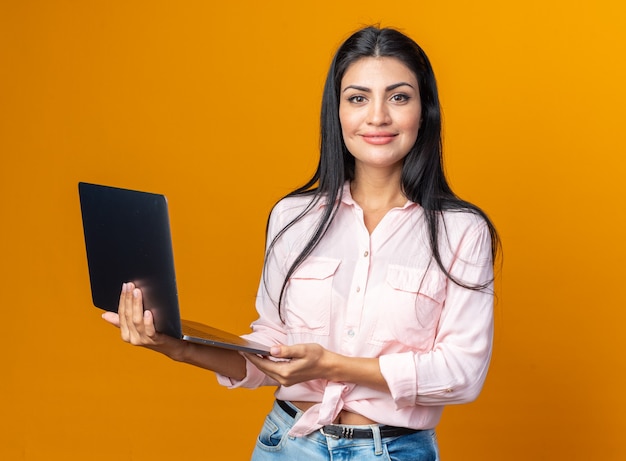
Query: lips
378, 138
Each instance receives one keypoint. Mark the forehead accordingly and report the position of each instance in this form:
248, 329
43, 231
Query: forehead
372, 71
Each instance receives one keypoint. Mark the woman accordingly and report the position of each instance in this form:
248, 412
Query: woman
377, 285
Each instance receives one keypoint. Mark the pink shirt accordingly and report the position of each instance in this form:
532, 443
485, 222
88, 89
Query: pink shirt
380, 295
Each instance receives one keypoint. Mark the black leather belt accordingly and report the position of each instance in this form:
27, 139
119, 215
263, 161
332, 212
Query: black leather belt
349, 432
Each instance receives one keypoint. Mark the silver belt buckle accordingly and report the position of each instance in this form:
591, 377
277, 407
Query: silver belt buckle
332, 436
346, 433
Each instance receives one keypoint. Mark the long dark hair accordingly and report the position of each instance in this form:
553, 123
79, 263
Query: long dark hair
423, 180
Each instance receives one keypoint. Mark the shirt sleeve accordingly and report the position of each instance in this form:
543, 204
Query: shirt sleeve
268, 328
454, 370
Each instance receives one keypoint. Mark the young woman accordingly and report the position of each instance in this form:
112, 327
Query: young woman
376, 293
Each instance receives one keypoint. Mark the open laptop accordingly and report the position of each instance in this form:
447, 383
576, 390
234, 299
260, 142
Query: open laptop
127, 238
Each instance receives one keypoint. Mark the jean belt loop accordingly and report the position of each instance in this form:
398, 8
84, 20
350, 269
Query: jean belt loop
378, 443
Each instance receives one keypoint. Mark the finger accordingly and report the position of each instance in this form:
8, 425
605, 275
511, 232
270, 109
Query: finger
261, 363
148, 324
136, 325
268, 365
255, 359
126, 313
288, 352
112, 318
281, 371
122, 313
137, 308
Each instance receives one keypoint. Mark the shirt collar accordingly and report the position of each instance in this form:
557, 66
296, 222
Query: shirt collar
348, 200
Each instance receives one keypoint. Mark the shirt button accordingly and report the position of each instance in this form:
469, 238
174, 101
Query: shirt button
351, 333
366, 254
358, 289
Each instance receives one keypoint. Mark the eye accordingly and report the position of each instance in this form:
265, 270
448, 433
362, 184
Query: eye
356, 99
400, 97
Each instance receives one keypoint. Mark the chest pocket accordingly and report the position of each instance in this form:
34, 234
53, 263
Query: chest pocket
410, 303
309, 296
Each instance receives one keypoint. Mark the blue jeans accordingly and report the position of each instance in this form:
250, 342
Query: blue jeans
273, 444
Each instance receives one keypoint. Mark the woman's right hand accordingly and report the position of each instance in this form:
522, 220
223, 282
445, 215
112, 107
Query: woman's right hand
137, 325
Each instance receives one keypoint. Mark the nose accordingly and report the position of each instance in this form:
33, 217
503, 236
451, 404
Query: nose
378, 114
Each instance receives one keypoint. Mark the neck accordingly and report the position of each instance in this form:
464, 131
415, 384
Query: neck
377, 192
377, 189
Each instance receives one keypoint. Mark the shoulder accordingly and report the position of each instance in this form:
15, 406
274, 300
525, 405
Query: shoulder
303, 209
463, 221
288, 208
464, 227
293, 203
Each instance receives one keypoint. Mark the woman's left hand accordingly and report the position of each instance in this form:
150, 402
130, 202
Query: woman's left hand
299, 363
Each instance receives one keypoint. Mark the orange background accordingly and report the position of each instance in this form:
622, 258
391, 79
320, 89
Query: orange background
216, 105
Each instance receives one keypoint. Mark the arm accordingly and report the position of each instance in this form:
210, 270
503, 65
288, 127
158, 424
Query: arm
454, 369
137, 327
311, 361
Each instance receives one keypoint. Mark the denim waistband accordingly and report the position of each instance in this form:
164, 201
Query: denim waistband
339, 431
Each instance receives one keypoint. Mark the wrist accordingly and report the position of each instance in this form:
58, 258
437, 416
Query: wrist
358, 370
333, 366
173, 348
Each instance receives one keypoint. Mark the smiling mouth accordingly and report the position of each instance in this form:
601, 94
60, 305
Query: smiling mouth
379, 138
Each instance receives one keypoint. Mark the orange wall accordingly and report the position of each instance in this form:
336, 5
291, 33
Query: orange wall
216, 105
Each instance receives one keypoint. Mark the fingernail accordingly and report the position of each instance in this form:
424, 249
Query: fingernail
136, 293
275, 350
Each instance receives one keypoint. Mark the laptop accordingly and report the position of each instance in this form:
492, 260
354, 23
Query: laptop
127, 238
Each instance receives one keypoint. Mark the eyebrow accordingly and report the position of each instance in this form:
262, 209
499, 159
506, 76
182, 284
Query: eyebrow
367, 90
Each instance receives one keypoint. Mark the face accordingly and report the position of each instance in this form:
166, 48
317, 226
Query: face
379, 111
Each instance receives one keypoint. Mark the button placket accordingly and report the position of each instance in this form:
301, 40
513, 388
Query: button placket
356, 303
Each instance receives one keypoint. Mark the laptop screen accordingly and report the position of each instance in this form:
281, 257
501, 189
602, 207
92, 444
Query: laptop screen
127, 238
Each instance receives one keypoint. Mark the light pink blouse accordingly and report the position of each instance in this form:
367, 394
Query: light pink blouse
380, 295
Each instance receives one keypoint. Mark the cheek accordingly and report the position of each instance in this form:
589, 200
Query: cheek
344, 120
412, 126
348, 127
417, 129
